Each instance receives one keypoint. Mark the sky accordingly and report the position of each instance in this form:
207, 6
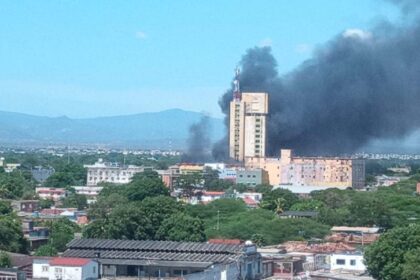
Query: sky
102, 58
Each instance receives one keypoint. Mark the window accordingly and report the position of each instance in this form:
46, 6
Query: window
58, 270
94, 269
340, 262
45, 268
353, 262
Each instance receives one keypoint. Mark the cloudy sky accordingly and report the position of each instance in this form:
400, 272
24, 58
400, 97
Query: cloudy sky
102, 58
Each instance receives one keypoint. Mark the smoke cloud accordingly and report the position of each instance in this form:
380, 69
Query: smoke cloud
198, 142
360, 86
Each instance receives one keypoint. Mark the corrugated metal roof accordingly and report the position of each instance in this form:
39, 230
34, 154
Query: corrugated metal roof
146, 245
134, 250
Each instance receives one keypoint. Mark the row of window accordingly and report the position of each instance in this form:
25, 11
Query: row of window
343, 262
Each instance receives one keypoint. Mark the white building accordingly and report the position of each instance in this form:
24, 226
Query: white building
91, 192
65, 269
348, 261
110, 173
54, 194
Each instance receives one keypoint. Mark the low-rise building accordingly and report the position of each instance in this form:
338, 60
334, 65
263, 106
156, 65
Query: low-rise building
91, 192
26, 206
252, 177
348, 261
170, 176
12, 274
106, 172
54, 194
65, 269
168, 259
209, 196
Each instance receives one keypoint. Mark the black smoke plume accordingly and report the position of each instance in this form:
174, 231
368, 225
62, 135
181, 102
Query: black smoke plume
198, 142
359, 87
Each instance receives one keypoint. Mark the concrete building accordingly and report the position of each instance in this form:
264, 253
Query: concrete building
191, 168
27, 206
247, 123
111, 173
348, 261
54, 194
252, 177
170, 176
91, 192
168, 259
65, 269
311, 171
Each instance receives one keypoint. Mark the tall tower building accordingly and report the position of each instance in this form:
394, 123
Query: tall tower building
247, 123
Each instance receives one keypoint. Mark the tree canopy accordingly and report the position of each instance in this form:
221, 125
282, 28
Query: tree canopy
395, 255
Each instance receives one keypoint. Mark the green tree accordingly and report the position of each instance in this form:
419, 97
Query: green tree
45, 203
104, 205
11, 236
46, 251
391, 256
307, 205
145, 185
411, 265
263, 188
75, 200
62, 232
124, 222
189, 182
5, 207
12, 185
182, 227
5, 261
258, 239
159, 208
278, 200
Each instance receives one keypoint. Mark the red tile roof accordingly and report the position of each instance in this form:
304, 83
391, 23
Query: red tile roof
249, 201
69, 262
213, 193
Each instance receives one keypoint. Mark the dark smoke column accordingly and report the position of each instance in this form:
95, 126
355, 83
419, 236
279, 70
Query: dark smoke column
198, 142
359, 87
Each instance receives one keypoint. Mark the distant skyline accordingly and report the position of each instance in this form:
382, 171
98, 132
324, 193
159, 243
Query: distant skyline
103, 58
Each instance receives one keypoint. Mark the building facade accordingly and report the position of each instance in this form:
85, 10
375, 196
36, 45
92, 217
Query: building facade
168, 259
65, 269
311, 171
248, 125
105, 172
252, 177
54, 194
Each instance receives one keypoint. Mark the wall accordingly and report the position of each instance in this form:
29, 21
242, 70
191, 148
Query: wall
37, 270
359, 265
308, 171
90, 271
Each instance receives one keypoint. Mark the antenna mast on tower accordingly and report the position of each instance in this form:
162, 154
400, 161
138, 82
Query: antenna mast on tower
236, 88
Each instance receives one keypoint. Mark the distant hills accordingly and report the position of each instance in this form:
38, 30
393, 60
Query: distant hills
165, 129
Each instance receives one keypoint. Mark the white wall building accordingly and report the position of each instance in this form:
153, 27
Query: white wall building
54, 194
348, 261
91, 192
65, 269
110, 173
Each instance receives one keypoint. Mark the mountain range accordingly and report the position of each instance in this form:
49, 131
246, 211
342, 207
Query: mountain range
165, 129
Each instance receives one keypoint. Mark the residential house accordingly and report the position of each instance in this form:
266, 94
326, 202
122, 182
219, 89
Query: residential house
60, 268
